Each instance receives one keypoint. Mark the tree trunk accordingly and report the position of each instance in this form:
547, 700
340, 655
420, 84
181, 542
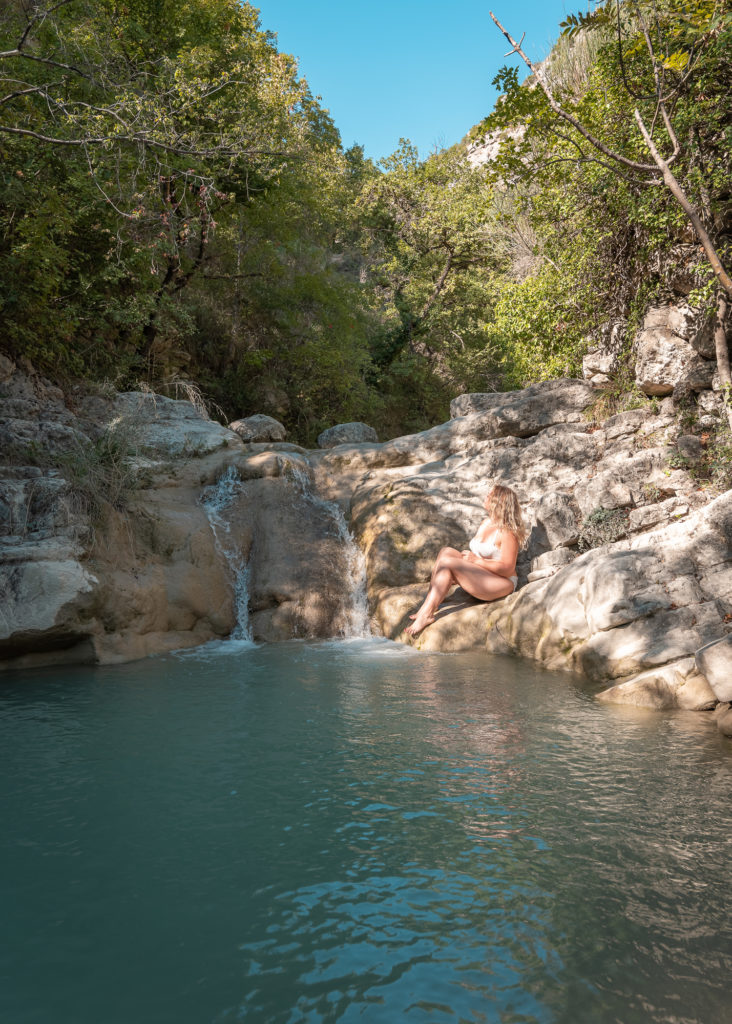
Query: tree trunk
720, 342
680, 196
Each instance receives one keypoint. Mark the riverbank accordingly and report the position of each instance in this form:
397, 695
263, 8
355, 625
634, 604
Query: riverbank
628, 570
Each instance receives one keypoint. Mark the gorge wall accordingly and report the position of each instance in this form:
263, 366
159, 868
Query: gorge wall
150, 574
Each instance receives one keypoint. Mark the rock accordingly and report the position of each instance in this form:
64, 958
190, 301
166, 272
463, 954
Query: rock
347, 433
690, 446
599, 365
715, 662
677, 319
698, 375
259, 428
165, 427
703, 340
724, 720
525, 413
677, 685
663, 351
7, 368
652, 515
555, 514
710, 402
553, 559
299, 576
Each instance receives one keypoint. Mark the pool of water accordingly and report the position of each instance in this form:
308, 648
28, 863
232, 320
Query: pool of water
356, 832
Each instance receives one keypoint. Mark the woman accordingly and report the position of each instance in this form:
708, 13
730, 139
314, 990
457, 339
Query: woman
488, 569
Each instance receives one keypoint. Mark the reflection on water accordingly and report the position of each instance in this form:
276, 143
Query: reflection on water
356, 831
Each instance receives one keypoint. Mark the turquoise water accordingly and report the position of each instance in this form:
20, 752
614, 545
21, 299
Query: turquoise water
356, 832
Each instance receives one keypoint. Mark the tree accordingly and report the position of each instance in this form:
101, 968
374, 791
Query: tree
173, 112
428, 224
664, 51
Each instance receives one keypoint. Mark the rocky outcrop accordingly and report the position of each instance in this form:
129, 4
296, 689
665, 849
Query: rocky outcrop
347, 433
714, 662
655, 586
107, 552
259, 428
674, 349
627, 574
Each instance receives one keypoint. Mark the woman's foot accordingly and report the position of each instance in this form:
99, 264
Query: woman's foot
421, 619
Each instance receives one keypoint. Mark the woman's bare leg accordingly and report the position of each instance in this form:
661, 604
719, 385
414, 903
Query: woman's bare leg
444, 552
453, 568
442, 582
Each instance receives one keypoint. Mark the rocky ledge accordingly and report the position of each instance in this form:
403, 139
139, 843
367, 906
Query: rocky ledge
627, 576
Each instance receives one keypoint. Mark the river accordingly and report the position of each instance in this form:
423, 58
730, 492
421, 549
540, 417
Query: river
355, 831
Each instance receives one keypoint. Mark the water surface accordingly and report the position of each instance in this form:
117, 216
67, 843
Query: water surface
356, 832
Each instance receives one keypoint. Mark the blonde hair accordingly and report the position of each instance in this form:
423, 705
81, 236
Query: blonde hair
502, 506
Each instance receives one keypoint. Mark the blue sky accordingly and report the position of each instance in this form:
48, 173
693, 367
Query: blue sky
420, 69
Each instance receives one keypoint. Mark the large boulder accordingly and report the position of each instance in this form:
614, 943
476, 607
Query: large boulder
259, 428
667, 351
676, 685
347, 433
715, 663
166, 428
525, 413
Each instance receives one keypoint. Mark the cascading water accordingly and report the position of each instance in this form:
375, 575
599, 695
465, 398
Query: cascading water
216, 500
355, 622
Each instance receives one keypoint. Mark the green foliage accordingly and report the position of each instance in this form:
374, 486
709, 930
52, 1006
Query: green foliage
175, 204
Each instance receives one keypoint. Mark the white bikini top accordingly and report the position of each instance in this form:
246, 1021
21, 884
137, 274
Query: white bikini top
487, 548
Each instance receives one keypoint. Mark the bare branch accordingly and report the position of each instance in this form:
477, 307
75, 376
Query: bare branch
680, 196
626, 83
565, 115
46, 60
39, 16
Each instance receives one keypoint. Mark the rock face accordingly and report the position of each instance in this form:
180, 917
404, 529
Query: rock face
674, 348
525, 413
655, 586
347, 433
677, 685
111, 555
626, 576
714, 661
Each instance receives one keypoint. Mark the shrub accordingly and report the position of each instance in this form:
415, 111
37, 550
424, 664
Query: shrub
603, 526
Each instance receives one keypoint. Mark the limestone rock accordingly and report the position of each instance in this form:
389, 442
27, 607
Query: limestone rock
724, 721
548, 563
663, 351
166, 427
598, 366
525, 413
703, 339
347, 433
652, 515
715, 662
299, 577
677, 685
554, 513
259, 428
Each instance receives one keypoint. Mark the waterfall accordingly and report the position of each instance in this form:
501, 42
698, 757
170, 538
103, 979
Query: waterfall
216, 500
356, 616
